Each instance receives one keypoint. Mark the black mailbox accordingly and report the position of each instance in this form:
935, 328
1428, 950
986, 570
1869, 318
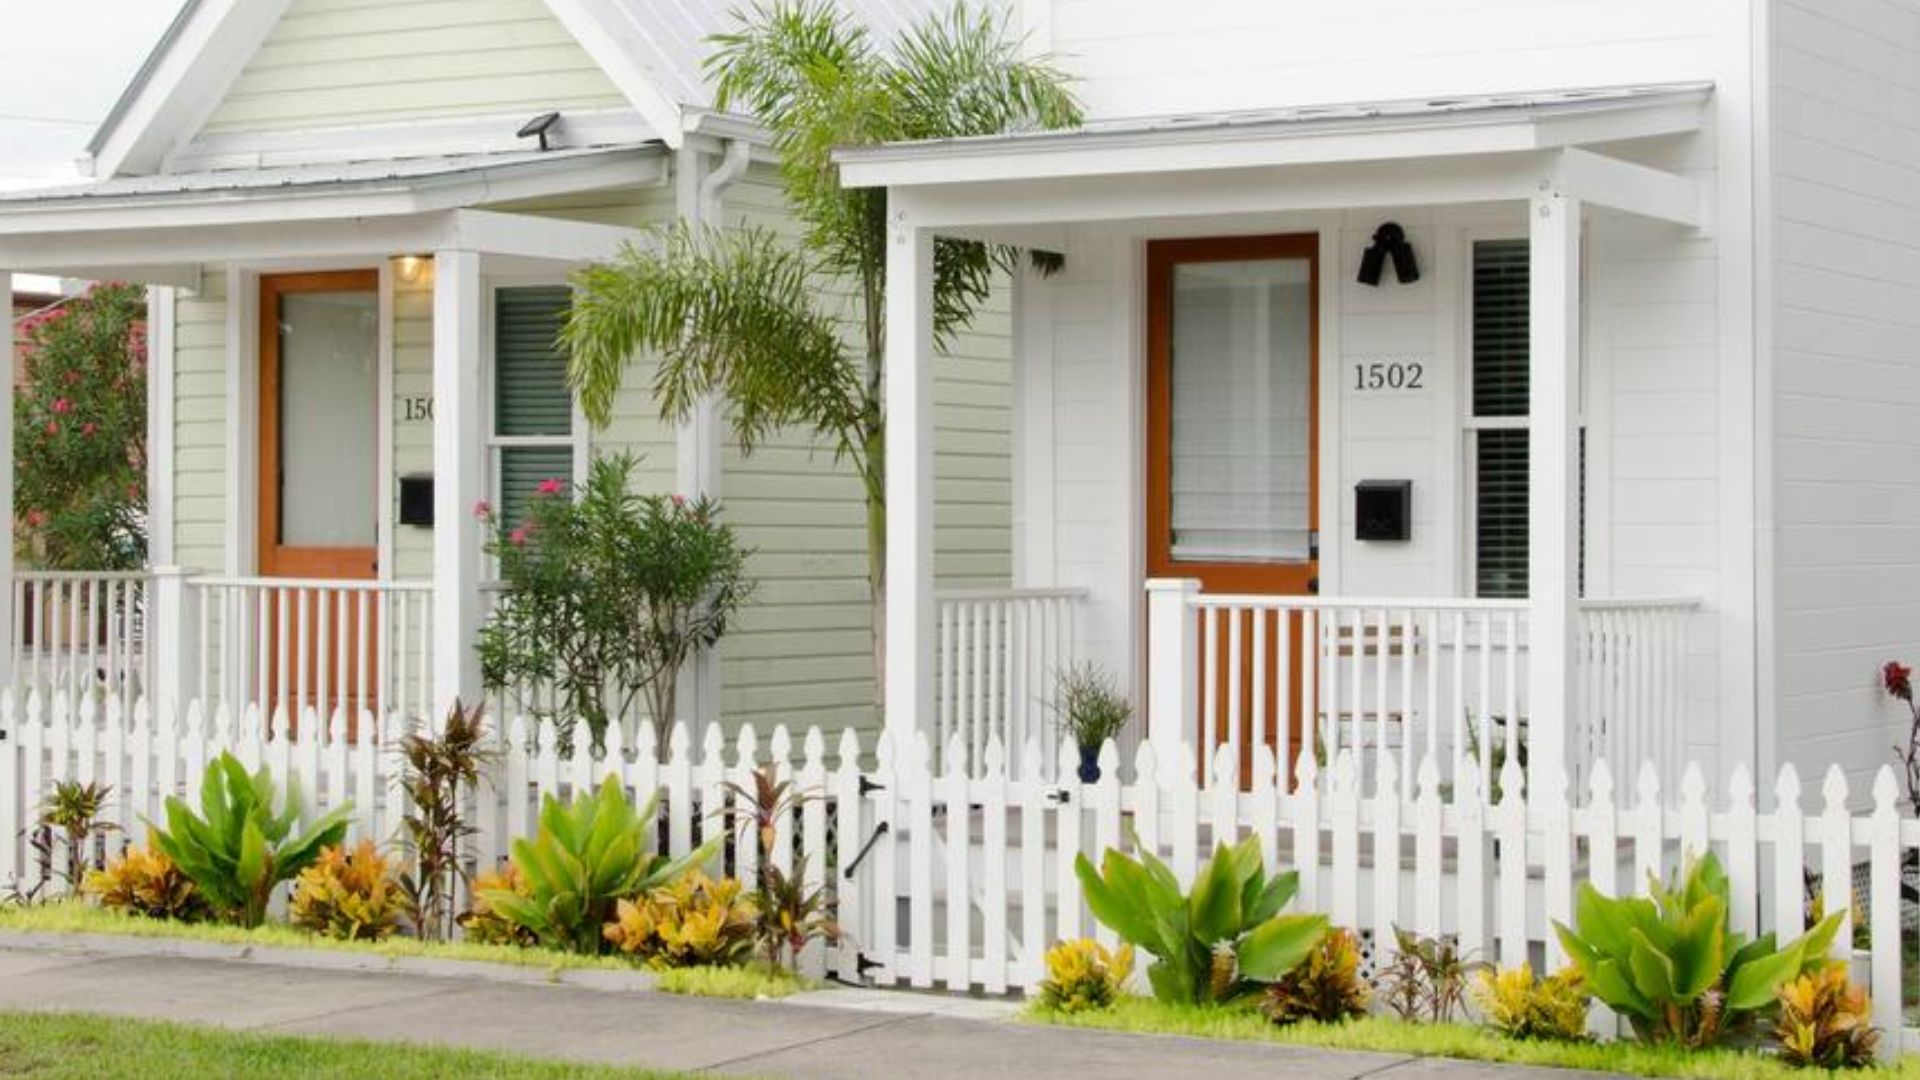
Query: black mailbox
416, 499
1383, 510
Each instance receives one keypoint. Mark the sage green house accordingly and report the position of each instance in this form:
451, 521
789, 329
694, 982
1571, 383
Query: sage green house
357, 220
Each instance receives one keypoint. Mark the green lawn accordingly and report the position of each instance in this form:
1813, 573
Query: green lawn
749, 983
1387, 1035
76, 1046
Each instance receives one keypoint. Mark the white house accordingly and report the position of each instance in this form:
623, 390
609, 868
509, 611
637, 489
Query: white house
1607, 452
1648, 395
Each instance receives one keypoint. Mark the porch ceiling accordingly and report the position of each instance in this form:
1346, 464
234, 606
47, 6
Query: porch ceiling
1474, 149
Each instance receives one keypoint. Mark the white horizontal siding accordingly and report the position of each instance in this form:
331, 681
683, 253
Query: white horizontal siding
1845, 133
200, 416
338, 62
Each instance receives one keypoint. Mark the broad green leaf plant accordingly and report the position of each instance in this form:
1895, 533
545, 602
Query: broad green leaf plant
1669, 962
585, 858
793, 333
1224, 940
238, 848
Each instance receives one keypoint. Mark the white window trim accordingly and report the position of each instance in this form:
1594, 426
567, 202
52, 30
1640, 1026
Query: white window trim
491, 442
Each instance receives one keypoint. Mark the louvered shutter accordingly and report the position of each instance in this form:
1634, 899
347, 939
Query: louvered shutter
530, 397
1500, 357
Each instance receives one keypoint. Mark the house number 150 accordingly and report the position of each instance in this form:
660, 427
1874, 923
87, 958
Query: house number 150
1388, 375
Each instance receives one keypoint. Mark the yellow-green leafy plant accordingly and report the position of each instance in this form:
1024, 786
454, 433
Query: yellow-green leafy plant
1085, 976
1826, 1021
587, 856
1520, 1005
239, 848
481, 924
349, 895
1670, 963
693, 922
1220, 942
1326, 987
145, 882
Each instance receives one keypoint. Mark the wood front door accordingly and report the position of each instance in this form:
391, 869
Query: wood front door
1233, 461
319, 507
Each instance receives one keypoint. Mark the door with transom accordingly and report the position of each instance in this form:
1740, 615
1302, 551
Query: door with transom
1233, 466
318, 500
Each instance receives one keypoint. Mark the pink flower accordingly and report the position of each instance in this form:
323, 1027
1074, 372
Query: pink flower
679, 500
36, 518
518, 537
549, 486
483, 510
53, 427
89, 428
62, 405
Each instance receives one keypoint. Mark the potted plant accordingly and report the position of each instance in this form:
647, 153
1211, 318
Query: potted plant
1092, 710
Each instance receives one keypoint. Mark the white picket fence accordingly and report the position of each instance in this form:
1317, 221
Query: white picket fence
960, 881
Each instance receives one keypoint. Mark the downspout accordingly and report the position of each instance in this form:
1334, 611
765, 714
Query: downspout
733, 165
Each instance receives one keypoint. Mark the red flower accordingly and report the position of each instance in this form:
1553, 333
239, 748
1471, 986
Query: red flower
62, 405
518, 537
89, 428
36, 518
53, 427
549, 486
1897, 678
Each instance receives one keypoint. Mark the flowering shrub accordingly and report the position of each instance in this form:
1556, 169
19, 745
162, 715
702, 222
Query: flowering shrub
80, 433
1896, 679
607, 595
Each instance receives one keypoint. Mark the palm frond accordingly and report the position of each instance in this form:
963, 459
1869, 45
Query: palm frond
726, 311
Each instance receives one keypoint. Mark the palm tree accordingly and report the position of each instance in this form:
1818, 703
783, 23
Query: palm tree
755, 319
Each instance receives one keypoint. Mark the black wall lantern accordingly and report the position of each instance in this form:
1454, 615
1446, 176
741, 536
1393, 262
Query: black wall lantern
1389, 240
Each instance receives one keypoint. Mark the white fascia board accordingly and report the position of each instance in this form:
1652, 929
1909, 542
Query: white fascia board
140, 255
407, 139
1631, 188
183, 85
373, 199
963, 208
1150, 150
534, 237
604, 31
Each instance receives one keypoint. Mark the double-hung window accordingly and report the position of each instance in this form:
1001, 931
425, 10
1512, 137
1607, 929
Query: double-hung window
533, 435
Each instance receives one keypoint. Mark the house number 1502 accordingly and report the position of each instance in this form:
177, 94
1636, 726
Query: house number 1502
1388, 375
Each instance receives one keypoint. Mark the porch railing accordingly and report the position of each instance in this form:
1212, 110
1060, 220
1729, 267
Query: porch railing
1001, 653
1410, 678
312, 644
82, 633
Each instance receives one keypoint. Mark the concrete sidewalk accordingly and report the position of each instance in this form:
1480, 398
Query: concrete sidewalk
762, 1039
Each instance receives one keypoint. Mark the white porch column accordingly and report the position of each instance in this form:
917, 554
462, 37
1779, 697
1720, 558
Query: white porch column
173, 649
908, 692
7, 642
1553, 480
456, 472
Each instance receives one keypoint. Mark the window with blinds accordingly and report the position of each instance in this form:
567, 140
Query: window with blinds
532, 437
1498, 421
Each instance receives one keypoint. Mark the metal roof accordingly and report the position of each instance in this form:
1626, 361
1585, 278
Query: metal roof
1300, 119
407, 173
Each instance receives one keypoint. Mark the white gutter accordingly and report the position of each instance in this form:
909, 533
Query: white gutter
733, 165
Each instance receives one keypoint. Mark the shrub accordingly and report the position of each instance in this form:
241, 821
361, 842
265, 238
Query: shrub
80, 434
238, 849
1084, 976
1326, 987
694, 921
1221, 941
1670, 963
483, 925
70, 813
1520, 1006
606, 597
1825, 1021
439, 769
791, 916
145, 882
1427, 977
349, 896
584, 859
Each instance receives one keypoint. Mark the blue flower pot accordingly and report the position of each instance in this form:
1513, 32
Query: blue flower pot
1089, 764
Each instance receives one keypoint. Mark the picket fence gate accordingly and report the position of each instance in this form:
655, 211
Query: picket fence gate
959, 879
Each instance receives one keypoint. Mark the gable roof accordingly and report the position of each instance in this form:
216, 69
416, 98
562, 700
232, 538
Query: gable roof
652, 50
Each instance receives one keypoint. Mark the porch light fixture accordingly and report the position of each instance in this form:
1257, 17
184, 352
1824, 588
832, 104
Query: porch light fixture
412, 268
539, 126
1389, 240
